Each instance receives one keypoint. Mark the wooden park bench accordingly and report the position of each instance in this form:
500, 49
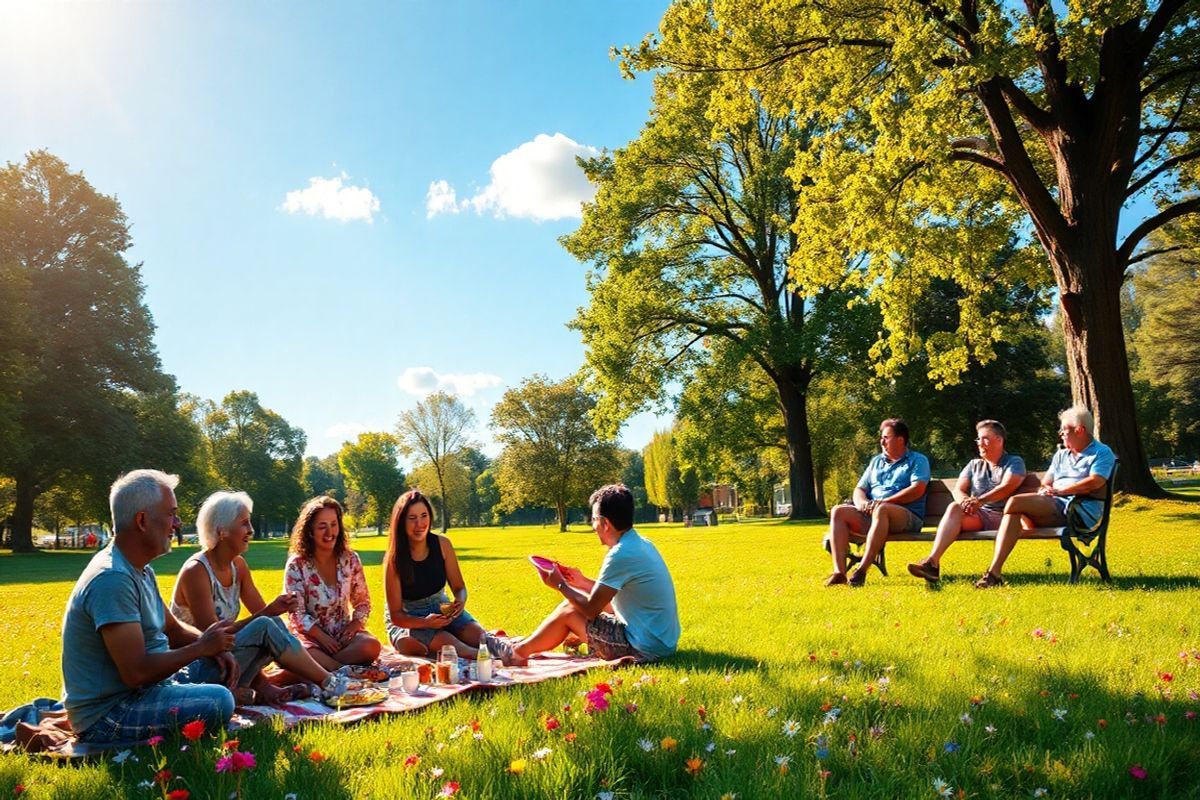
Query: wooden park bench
1085, 547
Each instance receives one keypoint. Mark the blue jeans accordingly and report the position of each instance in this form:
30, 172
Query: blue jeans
194, 692
423, 608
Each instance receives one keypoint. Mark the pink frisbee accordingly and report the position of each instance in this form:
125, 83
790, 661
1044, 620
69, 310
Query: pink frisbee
544, 564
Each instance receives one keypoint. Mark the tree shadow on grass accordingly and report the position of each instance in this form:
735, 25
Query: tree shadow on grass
1089, 580
710, 660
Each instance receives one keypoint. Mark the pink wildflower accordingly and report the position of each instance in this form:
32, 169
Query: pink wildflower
1137, 772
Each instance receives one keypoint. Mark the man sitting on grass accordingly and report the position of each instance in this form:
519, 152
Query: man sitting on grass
1082, 466
131, 670
629, 609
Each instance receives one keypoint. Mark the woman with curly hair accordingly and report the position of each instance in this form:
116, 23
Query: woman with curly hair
331, 617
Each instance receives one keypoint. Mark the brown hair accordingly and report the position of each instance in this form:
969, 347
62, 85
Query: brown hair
302, 532
899, 428
398, 553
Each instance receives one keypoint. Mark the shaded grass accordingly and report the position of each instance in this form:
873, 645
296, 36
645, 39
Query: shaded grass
763, 644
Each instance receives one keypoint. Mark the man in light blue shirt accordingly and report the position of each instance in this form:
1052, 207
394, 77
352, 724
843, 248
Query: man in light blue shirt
629, 609
1082, 468
890, 496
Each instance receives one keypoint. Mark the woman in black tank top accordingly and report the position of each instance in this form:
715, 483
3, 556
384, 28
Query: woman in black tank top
418, 565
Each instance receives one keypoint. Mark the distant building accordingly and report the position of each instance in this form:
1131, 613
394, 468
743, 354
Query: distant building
782, 506
721, 497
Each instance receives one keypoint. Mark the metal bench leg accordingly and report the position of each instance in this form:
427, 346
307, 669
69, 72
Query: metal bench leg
881, 562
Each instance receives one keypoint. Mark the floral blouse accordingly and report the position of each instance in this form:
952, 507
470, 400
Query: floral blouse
333, 608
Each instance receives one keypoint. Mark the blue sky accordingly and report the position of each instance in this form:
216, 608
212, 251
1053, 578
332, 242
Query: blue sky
338, 206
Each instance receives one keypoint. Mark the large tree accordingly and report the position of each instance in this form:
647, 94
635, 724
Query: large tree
436, 432
690, 238
255, 450
78, 337
324, 476
552, 455
937, 124
372, 468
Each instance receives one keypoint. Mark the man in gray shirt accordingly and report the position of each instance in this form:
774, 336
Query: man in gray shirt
121, 644
983, 487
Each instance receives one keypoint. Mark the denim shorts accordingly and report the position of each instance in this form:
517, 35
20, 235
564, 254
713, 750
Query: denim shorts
607, 639
160, 709
423, 608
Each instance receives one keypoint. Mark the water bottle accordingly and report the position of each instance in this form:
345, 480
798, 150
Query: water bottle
483, 661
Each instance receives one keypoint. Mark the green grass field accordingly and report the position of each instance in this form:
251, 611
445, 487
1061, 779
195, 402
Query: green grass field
881, 692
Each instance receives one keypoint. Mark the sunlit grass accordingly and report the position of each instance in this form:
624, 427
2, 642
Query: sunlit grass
763, 644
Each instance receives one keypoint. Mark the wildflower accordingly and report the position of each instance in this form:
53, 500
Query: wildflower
449, 789
990, 728
604, 796
1101, 724
570, 737
1189, 715
684, 679
791, 728
710, 747
952, 747
1161, 719
1137, 772
702, 712
822, 747
412, 760
236, 762
541, 753
646, 744
832, 716
178, 794
1089, 735
737, 700
772, 712
290, 796
18, 790
436, 772
668, 743
782, 763
965, 719
1040, 792
730, 753
122, 757
477, 737
1166, 677
694, 765
730, 796
876, 731
163, 776
316, 756
977, 700
154, 741
517, 766
631, 708
597, 701
1059, 714
942, 788
1038, 633
193, 730
232, 744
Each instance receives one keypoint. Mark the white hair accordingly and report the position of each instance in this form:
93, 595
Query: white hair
220, 510
137, 491
1078, 415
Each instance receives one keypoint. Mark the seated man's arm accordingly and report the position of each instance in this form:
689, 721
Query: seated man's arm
127, 648
1089, 485
590, 605
1003, 490
913, 491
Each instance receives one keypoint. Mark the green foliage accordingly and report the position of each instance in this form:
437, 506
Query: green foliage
552, 455
254, 449
657, 457
371, 466
435, 433
77, 338
324, 476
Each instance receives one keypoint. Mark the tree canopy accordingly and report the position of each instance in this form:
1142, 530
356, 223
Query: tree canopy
371, 466
436, 432
941, 130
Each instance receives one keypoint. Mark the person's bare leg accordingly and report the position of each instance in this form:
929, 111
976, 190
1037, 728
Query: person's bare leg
324, 659
843, 520
408, 646
553, 631
472, 634
953, 522
300, 662
362, 649
443, 638
886, 517
1039, 508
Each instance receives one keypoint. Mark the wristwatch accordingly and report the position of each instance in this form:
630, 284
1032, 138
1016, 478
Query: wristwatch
560, 585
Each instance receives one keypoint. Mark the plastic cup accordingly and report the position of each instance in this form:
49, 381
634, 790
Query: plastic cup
409, 680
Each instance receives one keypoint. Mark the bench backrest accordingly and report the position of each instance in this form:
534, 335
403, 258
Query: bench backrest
938, 494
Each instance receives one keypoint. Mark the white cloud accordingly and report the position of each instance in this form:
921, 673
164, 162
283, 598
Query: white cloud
540, 180
345, 431
441, 199
422, 381
332, 198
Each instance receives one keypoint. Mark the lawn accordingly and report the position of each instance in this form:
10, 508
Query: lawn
781, 687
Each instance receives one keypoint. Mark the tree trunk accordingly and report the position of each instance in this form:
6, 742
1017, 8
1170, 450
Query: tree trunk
819, 481
562, 516
1097, 359
793, 397
445, 502
22, 518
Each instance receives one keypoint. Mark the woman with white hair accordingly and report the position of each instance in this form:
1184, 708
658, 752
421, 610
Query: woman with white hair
214, 584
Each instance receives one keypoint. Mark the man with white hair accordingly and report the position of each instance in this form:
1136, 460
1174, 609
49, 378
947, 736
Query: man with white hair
1081, 468
122, 647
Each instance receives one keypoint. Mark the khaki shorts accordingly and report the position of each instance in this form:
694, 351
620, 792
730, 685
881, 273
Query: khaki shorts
913, 525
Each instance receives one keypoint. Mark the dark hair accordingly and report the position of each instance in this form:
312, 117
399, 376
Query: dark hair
302, 532
616, 505
399, 554
899, 428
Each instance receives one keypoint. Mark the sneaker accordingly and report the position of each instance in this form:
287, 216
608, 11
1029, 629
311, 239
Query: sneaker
988, 581
925, 569
858, 578
836, 579
503, 649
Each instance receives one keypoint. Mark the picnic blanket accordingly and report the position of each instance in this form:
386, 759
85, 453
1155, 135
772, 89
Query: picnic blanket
540, 668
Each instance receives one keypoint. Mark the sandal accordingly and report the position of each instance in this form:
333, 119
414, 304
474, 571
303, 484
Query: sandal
836, 579
988, 581
858, 578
